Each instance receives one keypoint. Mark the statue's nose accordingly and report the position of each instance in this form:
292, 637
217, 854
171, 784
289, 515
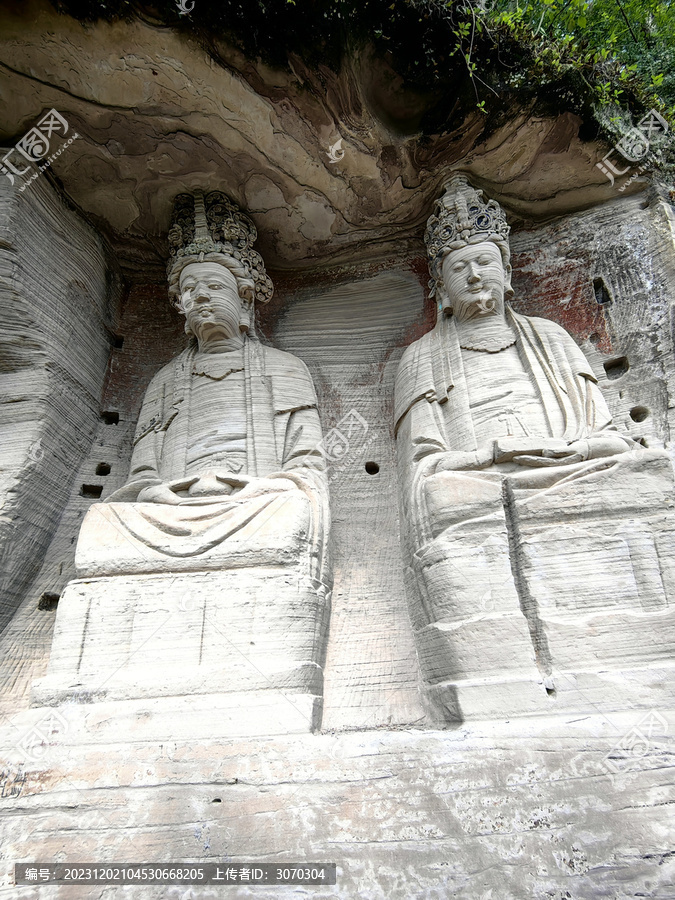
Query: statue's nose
201, 292
474, 274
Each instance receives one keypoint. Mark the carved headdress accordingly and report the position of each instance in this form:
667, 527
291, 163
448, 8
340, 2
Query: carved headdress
211, 228
461, 217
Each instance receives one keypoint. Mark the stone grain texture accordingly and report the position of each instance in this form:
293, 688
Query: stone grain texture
515, 812
58, 295
500, 812
156, 114
350, 327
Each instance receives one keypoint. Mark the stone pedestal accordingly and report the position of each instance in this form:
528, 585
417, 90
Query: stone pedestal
257, 636
596, 560
537, 808
551, 599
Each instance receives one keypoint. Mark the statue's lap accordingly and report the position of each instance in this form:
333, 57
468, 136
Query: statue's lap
247, 614
135, 538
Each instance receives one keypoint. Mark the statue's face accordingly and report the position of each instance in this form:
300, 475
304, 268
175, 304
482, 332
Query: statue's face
210, 299
475, 279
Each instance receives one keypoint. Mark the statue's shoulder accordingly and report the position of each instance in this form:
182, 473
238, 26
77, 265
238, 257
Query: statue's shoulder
413, 353
419, 346
168, 371
291, 384
544, 326
281, 361
557, 341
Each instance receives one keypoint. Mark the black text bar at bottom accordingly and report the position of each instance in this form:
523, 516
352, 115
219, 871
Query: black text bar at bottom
175, 873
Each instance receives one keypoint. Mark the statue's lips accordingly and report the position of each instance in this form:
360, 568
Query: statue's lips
484, 290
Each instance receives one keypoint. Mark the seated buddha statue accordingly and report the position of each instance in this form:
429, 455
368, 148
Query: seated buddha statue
226, 465
511, 473
207, 572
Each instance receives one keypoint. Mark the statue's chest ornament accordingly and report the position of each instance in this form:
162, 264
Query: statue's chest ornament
486, 337
213, 372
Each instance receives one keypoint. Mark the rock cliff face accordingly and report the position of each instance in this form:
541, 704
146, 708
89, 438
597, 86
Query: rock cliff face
59, 295
157, 115
555, 807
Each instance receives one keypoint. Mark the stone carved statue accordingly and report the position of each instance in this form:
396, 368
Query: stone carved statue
223, 521
507, 456
229, 430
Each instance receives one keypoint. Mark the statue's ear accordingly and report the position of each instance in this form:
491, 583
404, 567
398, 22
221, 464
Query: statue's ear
245, 315
508, 290
444, 305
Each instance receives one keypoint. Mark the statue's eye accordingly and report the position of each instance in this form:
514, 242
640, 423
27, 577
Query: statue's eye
484, 261
216, 286
457, 267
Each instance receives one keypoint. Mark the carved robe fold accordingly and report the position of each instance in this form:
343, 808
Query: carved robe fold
433, 412
251, 412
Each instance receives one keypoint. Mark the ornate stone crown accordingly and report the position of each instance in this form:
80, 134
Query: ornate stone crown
462, 217
210, 227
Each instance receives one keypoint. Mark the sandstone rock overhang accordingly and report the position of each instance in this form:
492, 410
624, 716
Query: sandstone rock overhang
167, 103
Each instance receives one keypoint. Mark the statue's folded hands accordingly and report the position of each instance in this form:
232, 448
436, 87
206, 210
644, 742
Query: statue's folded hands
273, 483
533, 451
213, 487
510, 449
159, 493
593, 447
458, 460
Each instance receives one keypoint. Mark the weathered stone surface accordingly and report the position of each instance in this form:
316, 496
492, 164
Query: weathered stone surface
551, 810
351, 335
57, 291
372, 672
515, 810
155, 114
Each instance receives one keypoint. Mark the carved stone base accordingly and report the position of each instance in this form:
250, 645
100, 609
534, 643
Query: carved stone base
257, 636
568, 693
595, 560
559, 596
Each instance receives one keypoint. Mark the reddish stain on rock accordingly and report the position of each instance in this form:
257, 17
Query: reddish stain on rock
561, 290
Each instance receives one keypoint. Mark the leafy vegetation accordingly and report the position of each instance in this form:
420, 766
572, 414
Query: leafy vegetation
625, 42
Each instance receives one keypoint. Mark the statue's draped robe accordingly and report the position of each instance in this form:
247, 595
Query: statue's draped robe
250, 412
433, 414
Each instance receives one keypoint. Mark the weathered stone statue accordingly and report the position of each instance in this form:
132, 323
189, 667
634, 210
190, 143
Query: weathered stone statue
524, 505
227, 442
223, 521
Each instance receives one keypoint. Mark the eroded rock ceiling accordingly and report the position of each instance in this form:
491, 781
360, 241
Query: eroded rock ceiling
156, 114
